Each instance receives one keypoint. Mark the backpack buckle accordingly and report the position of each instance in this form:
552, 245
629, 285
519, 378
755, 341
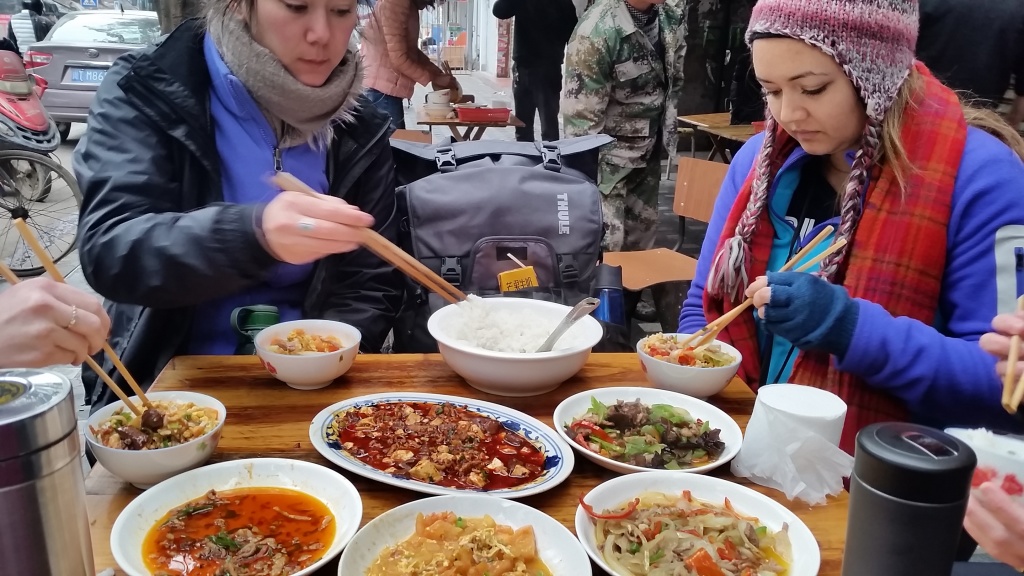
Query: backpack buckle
567, 269
445, 159
550, 157
451, 270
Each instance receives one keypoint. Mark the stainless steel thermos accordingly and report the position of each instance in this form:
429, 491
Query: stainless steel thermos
908, 497
44, 530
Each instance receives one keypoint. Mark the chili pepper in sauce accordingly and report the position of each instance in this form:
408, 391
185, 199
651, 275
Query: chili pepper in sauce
728, 551
625, 513
594, 429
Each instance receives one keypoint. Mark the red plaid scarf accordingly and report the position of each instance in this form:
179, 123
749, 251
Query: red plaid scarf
896, 258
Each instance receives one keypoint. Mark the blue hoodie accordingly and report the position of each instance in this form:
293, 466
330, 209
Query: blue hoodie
939, 370
249, 152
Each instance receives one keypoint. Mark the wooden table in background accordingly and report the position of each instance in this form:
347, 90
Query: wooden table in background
471, 130
705, 120
722, 134
267, 419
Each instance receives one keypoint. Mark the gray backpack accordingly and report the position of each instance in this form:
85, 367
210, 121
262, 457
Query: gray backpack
464, 207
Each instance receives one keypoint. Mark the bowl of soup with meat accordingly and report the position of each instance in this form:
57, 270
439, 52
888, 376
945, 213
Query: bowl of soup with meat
308, 354
256, 517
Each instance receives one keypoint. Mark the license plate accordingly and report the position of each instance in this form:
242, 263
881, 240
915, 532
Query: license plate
87, 75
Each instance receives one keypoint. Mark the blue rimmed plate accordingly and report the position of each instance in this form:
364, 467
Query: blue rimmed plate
558, 457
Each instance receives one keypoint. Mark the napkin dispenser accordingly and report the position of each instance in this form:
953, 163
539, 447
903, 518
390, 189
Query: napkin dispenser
908, 498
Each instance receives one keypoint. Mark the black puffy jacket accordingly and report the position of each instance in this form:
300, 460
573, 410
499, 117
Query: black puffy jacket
155, 236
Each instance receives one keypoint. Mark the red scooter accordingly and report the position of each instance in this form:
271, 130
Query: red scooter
24, 123
29, 170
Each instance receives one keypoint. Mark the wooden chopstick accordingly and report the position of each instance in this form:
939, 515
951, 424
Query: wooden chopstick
13, 279
1011, 365
51, 268
712, 327
1012, 397
384, 248
710, 336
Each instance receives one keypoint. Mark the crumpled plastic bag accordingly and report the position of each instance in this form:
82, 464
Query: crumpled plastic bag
782, 452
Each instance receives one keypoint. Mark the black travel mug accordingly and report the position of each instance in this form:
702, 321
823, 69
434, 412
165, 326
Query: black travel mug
908, 497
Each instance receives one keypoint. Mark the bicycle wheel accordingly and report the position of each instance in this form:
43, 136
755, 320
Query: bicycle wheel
31, 179
55, 221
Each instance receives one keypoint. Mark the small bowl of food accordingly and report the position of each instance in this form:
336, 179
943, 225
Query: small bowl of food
1000, 459
308, 354
492, 343
179, 433
698, 372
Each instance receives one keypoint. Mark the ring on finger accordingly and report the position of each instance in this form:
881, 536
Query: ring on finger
306, 225
74, 317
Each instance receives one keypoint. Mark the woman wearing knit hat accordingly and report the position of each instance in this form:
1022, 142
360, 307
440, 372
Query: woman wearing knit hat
926, 193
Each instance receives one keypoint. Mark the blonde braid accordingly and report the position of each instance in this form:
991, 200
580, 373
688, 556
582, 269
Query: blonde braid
728, 277
851, 203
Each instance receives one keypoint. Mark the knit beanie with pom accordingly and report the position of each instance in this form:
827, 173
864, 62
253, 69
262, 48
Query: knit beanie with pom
873, 41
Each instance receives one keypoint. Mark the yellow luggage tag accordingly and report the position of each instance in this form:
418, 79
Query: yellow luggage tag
519, 279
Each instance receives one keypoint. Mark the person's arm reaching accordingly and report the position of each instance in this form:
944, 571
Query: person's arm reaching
405, 58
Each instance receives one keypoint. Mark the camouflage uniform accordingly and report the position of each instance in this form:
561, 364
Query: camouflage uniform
616, 84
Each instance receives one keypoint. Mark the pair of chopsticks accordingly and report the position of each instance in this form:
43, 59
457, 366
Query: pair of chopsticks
51, 268
383, 248
1013, 396
707, 334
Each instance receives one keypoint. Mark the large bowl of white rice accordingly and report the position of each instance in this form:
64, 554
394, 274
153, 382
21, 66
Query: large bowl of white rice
491, 341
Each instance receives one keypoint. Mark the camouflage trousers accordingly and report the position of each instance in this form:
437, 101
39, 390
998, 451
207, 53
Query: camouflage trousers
629, 203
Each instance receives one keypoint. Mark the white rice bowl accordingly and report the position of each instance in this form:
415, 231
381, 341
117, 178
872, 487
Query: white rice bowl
475, 323
490, 343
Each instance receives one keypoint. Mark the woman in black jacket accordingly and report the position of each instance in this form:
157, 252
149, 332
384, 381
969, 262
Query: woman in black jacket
179, 224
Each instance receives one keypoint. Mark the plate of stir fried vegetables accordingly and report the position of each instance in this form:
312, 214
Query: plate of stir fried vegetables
664, 524
634, 429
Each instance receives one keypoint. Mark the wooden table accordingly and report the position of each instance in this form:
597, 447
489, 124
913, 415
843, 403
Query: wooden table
471, 130
267, 419
722, 134
705, 120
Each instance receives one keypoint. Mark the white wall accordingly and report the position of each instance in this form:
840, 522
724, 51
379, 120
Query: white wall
486, 29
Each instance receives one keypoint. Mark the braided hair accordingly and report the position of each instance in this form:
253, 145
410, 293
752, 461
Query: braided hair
729, 277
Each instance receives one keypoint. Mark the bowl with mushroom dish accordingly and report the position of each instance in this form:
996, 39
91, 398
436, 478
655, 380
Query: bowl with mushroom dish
178, 433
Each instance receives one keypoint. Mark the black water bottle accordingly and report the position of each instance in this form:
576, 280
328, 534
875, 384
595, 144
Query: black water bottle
908, 497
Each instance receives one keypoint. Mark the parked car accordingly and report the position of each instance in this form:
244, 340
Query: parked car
75, 55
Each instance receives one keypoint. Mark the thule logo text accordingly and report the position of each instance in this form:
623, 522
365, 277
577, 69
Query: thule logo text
563, 213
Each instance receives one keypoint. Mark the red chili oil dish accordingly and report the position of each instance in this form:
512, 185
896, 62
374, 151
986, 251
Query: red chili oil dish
437, 443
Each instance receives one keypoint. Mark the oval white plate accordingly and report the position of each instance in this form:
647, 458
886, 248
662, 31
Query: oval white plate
557, 547
577, 405
324, 484
615, 492
559, 459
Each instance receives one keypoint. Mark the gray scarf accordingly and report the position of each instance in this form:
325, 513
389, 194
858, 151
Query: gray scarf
298, 113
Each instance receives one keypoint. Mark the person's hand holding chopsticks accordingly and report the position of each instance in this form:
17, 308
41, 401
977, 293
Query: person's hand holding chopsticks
43, 322
1008, 328
805, 310
997, 342
299, 229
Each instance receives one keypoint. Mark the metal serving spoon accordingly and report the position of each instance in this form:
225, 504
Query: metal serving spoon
578, 311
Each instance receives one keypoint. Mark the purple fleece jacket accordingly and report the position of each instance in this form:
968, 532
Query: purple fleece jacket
938, 370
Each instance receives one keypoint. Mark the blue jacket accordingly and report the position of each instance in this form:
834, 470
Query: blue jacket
248, 152
938, 370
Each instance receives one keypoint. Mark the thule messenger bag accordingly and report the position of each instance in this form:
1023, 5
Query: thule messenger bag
471, 210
